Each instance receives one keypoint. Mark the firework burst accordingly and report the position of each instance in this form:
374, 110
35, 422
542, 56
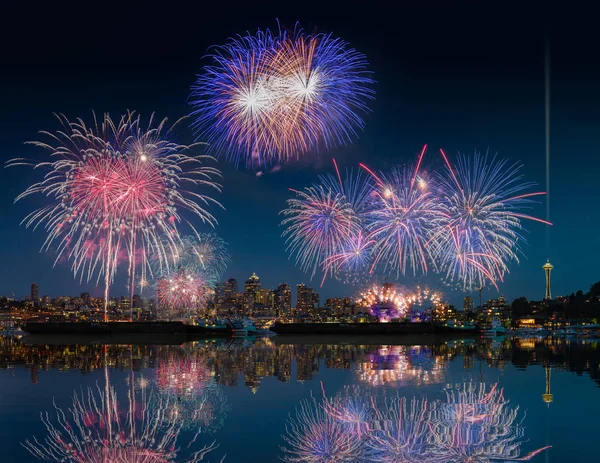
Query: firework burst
181, 295
115, 188
269, 97
400, 221
319, 223
465, 222
202, 254
483, 200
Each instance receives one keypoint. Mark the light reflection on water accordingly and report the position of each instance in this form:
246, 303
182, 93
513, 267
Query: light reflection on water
460, 401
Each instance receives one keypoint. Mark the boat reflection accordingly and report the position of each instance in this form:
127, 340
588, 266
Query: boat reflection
473, 424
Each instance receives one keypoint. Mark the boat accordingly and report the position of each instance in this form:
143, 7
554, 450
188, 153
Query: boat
213, 327
496, 329
370, 328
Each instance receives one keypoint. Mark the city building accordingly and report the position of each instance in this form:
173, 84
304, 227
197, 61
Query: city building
468, 303
303, 298
251, 287
283, 300
35, 294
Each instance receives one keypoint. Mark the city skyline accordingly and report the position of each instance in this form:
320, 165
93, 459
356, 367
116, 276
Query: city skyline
420, 99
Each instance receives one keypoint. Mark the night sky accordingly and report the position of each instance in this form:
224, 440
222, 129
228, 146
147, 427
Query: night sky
455, 77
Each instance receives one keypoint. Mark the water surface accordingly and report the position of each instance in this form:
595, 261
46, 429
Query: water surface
297, 399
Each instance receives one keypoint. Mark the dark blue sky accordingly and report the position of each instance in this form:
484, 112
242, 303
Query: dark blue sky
458, 77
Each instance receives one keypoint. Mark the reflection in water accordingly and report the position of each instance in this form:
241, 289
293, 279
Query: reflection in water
474, 424
186, 379
174, 395
477, 424
97, 428
225, 363
401, 366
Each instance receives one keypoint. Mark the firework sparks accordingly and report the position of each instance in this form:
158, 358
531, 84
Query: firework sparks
202, 254
181, 295
388, 302
400, 222
320, 222
466, 222
483, 201
269, 97
115, 188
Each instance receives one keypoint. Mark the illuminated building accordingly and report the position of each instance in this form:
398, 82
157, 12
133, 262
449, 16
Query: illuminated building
547, 270
137, 301
283, 300
305, 299
34, 294
468, 303
251, 287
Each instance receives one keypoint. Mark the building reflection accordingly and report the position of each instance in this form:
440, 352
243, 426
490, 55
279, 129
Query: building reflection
185, 370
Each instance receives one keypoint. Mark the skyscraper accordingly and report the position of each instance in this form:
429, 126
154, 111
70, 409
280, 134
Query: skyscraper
251, 287
468, 303
547, 270
283, 300
305, 299
34, 294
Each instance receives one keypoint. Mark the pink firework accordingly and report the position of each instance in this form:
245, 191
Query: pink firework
181, 295
115, 189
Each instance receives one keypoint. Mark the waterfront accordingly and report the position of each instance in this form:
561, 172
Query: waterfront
269, 399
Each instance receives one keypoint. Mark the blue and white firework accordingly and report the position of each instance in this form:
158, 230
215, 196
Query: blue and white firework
269, 97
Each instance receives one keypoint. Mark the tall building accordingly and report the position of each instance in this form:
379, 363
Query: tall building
547, 270
306, 299
315, 301
251, 288
468, 303
34, 294
283, 300
137, 301
85, 297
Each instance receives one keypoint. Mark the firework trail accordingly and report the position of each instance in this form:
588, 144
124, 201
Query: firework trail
483, 199
269, 97
115, 189
402, 431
